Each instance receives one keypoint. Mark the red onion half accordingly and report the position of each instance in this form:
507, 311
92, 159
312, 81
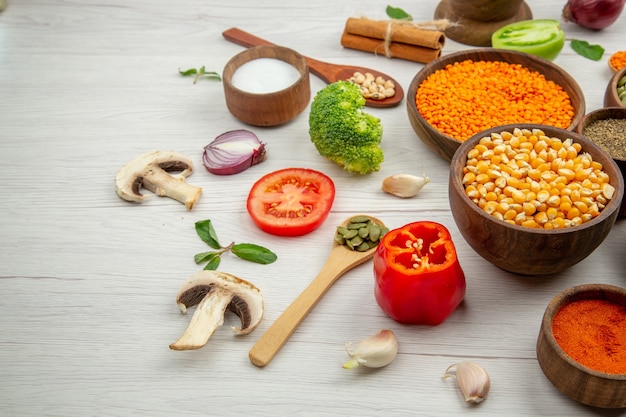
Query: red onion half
593, 14
233, 152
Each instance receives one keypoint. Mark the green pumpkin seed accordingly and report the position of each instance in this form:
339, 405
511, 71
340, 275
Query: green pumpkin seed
353, 226
350, 234
340, 239
359, 219
375, 232
356, 241
342, 230
363, 247
364, 231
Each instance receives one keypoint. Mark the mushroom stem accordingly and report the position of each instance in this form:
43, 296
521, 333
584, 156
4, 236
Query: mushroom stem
163, 184
209, 315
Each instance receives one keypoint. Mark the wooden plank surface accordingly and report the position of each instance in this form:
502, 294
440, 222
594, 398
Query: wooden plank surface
88, 281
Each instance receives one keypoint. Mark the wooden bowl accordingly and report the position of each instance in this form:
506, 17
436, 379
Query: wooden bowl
523, 250
272, 108
445, 145
613, 67
601, 114
611, 98
585, 385
476, 20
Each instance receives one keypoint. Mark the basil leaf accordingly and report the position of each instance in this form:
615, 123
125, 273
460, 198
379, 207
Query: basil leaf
253, 253
593, 52
205, 256
190, 71
398, 13
213, 264
205, 230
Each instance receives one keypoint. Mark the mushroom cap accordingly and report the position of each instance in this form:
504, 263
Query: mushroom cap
246, 302
136, 173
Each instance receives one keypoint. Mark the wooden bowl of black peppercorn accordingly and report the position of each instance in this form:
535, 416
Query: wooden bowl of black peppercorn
607, 128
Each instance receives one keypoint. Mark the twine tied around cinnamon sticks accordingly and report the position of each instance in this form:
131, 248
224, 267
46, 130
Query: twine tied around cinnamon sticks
413, 41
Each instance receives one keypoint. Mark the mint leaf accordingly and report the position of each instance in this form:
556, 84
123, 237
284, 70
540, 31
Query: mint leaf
583, 48
253, 253
213, 264
247, 251
205, 256
198, 73
190, 71
205, 230
397, 13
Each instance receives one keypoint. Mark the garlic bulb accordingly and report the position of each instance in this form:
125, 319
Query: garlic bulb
373, 352
473, 380
404, 185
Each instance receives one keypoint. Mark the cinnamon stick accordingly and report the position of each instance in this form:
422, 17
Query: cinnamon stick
396, 31
393, 50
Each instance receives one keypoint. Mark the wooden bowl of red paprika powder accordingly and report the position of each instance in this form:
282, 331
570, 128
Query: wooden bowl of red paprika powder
462, 93
581, 347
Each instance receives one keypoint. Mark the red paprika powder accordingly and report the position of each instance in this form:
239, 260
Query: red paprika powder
418, 276
593, 333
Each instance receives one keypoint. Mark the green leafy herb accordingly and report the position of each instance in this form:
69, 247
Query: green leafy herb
398, 14
587, 50
198, 73
247, 251
253, 253
205, 230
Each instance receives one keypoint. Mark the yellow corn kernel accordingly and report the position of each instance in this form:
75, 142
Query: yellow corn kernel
518, 196
541, 218
552, 213
543, 196
482, 178
529, 208
510, 214
582, 207
530, 223
468, 178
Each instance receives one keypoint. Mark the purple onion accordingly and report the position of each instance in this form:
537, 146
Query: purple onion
233, 152
593, 14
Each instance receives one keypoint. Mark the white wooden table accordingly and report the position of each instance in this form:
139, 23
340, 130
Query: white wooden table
88, 280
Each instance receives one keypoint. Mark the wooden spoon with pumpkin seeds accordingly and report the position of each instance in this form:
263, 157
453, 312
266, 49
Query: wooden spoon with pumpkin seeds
341, 260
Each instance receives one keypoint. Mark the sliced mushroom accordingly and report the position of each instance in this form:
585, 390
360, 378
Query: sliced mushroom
152, 172
213, 292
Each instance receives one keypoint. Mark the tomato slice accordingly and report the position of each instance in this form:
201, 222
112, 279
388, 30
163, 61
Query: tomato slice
541, 37
291, 201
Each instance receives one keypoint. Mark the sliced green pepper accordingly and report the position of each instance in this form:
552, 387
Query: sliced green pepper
541, 37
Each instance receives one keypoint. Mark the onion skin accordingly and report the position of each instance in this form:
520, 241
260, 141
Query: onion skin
593, 14
247, 151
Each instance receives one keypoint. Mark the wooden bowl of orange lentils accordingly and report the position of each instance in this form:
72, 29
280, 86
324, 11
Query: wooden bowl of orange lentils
533, 199
460, 94
580, 347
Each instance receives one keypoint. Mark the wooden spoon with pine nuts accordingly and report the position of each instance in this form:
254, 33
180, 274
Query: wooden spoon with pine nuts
324, 70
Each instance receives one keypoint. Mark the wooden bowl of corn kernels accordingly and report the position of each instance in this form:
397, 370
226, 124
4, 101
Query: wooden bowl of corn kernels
533, 199
440, 102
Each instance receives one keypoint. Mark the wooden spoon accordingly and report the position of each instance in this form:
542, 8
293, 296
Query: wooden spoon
340, 261
327, 72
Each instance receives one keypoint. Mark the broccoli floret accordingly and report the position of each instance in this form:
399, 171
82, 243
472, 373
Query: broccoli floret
342, 131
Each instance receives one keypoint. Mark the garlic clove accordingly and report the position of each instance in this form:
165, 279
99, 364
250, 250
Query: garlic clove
473, 380
404, 185
373, 352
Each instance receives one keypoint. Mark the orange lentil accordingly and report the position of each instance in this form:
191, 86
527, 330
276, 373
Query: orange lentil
618, 60
467, 97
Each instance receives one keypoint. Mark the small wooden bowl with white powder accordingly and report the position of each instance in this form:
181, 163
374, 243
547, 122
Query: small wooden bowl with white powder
266, 85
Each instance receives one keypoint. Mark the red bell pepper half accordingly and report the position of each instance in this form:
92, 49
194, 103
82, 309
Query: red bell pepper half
418, 277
